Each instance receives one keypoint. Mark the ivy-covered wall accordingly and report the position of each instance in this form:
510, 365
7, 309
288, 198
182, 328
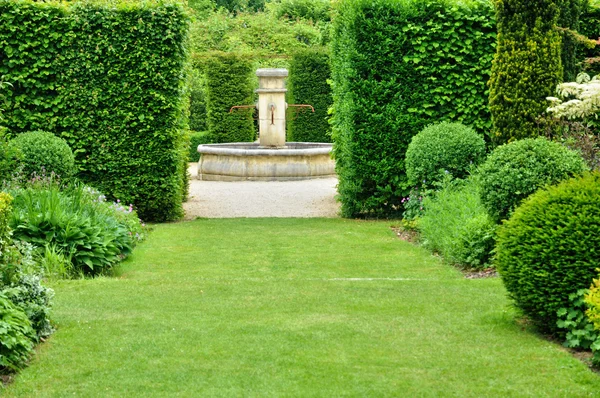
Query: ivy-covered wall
109, 80
397, 67
308, 84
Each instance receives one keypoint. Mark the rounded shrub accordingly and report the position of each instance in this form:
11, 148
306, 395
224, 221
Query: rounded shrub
514, 171
44, 153
549, 248
443, 147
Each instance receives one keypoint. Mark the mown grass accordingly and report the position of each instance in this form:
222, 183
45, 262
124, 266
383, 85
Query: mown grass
269, 307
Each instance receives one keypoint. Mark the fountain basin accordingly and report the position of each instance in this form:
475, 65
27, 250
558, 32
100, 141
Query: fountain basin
249, 161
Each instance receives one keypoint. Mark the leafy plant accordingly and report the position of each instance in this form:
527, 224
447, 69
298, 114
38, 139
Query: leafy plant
575, 135
580, 332
592, 299
42, 153
514, 171
16, 336
84, 229
10, 157
578, 100
456, 225
314, 10
413, 203
549, 246
440, 149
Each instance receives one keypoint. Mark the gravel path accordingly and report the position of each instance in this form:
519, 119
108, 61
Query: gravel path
216, 199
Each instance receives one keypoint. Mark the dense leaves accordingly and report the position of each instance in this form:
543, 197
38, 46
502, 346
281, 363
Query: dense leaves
527, 67
550, 247
514, 171
16, 336
397, 67
442, 148
457, 226
308, 84
44, 153
109, 81
228, 83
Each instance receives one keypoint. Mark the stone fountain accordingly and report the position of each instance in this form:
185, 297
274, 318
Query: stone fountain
271, 158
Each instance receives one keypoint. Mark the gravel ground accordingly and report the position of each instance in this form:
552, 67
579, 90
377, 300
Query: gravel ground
216, 199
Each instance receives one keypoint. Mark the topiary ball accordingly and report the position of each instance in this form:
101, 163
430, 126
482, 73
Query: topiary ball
514, 171
44, 153
550, 248
443, 147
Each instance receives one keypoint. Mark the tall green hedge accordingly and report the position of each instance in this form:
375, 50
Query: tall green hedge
570, 12
228, 83
398, 66
109, 80
527, 66
308, 84
589, 26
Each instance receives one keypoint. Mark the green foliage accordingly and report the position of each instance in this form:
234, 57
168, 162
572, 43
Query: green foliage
10, 157
397, 67
108, 79
228, 83
514, 171
549, 248
456, 225
16, 336
592, 300
580, 331
443, 148
261, 34
589, 26
196, 84
198, 138
21, 282
314, 10
93, 233
570, 11
44, 153
5, 211
527, 66
307, 82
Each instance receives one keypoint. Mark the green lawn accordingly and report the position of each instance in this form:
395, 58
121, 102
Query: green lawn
292, 307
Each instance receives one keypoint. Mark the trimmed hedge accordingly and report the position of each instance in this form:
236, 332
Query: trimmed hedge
550, 248
526, 69
307, 82
570, 12
589, 26
514, 171
397, 67
229, 83
198, 138
107, 79
443, 148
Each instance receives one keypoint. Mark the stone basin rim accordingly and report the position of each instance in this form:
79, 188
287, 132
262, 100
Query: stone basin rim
253, 149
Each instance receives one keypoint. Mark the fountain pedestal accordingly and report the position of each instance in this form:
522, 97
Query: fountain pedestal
271, 159
271, 107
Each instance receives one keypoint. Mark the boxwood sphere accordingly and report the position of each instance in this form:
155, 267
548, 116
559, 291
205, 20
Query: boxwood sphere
514, 171
550, 248
451, 147
43, 152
